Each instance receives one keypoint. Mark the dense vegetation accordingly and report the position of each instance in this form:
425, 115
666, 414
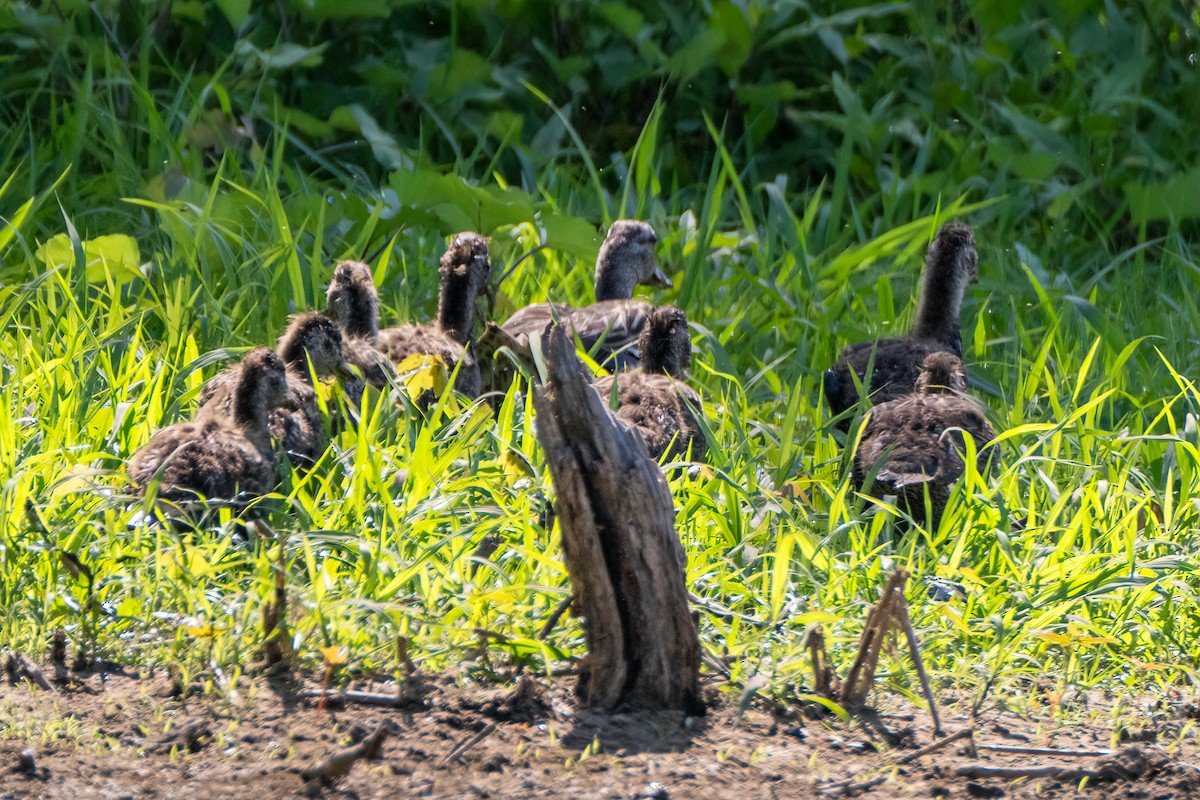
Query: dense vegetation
180, 176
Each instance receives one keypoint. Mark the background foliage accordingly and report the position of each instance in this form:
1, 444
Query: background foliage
180, 176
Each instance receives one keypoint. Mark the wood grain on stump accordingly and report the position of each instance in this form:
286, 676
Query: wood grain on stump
621, 549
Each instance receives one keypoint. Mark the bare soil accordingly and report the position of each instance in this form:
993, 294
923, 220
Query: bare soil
117, 735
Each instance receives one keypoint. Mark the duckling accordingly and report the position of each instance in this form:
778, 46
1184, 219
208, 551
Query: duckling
950, 264
353, 303
310, 337
464, 272
615, 320
218, 455
917, 441
653, 399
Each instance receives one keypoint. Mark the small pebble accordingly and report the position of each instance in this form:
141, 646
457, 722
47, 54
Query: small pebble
27, 760
652, 791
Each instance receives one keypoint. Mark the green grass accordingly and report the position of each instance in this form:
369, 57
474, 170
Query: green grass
1076, 553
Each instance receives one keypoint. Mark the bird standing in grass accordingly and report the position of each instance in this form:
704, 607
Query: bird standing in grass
951, 263
311, 338
916, 444
653, 399
218, 455
613, 323
465, 271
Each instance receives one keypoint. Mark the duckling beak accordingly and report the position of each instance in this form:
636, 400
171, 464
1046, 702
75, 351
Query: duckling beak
289, 401
346, 373
660, 279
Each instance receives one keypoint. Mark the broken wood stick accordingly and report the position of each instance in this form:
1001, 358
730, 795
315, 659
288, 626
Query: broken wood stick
324, 773
825, 679
1013, 773
620, 546
350, 696
861, 678
900, 614
465, 745
555, 616
1041, 751
938, 745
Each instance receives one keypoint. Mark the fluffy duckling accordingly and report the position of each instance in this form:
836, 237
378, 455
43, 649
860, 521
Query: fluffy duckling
311, 337
917, 441
218, 455
353, 303
950, 264
652, 398
464, 272
626, 259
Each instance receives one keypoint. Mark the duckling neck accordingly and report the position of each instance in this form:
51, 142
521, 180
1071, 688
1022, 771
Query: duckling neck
456, 304
249, 410
613, 283
941, 305
295, 356
364, 319
657, 358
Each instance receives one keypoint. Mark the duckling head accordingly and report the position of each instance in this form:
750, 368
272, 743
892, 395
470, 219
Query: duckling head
467, 255
352, 300
313, 337
626, 259
665, 345
953, 253
263, 386
942, 372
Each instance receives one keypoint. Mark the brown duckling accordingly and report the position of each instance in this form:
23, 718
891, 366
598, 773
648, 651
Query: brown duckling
653, 399
218, 455
615, 320
917, 442
311, 337
353, 303
950, 264
465, 271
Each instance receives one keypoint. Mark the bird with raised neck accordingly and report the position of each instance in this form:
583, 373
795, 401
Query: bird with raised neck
914, 445
951, 263
311, 338
220, 455
353, 302
609, 327
465, 271
653, 398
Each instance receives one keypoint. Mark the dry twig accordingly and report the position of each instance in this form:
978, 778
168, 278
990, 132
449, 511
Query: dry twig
462, 747
324, 773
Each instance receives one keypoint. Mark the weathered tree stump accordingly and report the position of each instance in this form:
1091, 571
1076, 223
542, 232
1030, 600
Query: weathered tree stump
620, 547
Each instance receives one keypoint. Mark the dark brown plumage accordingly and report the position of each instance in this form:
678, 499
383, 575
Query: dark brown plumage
626, 259
310, 338
916, 443
218, 455
465, 271
652, 399
950, 264
353, 302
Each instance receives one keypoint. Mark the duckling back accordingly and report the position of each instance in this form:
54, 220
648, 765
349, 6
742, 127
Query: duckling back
220, 455
653, 399
207, 458
916, 444
658, 407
